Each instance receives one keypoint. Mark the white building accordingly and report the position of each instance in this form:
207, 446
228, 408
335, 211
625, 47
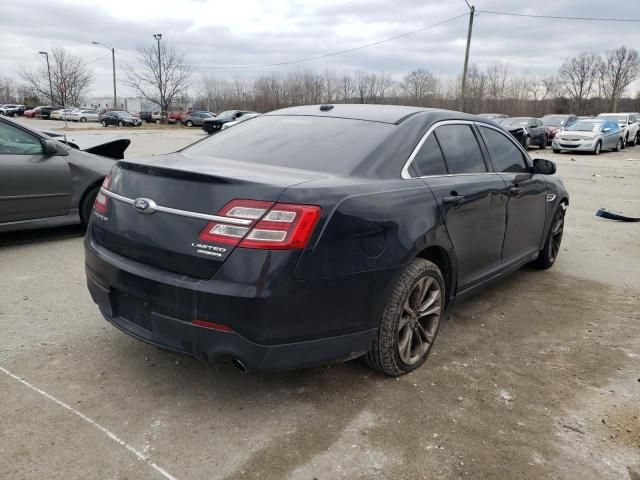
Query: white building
129, 104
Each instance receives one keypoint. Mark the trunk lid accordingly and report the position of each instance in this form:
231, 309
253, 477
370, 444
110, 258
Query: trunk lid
188, 184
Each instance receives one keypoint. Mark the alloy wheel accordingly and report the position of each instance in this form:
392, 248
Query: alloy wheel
419, 320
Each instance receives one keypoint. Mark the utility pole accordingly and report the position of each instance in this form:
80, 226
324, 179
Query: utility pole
46, 54
158, 36
472, 11
113, 61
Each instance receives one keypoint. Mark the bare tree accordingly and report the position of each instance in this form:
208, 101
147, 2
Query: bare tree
617, 69
418, 84
70, 78
577, 76
163, 76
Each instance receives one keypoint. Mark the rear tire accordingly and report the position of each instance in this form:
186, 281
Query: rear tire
83, 119
120, 124
157, 120
527, 143
87, 205
543, 145
189, 123
619, 145
551, 249
634, 142
410, 321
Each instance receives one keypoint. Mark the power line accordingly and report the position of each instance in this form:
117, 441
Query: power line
560, 17
331, 54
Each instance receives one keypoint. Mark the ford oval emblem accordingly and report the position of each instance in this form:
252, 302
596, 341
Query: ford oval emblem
144, 205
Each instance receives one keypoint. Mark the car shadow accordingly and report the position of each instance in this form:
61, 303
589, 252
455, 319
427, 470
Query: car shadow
25, 237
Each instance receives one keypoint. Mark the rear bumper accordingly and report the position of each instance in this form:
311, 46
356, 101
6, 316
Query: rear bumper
306, 323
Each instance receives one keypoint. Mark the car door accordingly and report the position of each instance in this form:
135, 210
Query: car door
526, 204
611, 132
471, 199
32, 184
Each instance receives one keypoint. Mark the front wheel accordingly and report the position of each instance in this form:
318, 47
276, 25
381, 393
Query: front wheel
103, 123
120, 124
619, 145
527, 143
83, 119
543, 145
598, 147
189, 123
556, 150
410, 321
634, 142
549, 253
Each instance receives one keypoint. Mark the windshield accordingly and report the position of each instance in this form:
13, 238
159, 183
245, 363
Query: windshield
516, 122
554, 120
585, 126
227, 113
323, 144
125, 115
621, 119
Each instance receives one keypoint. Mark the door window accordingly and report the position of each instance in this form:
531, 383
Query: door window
14, 141
506, 157
429, 160
460, 149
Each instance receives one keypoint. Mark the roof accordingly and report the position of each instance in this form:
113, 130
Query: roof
373, 113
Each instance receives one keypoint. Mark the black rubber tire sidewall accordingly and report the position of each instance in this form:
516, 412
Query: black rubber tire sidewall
384, 355
87, 205
543, 262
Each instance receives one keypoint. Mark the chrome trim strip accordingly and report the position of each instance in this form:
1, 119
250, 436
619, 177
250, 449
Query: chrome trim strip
405, 170
182, 213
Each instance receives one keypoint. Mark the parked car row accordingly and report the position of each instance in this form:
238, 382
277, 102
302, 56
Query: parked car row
607, 131
12, 109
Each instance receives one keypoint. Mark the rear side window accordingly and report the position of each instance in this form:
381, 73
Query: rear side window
322, 144
429, 160
506, 157
460, 148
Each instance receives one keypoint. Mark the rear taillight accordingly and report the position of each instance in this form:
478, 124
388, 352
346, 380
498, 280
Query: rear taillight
282, 226
102, 201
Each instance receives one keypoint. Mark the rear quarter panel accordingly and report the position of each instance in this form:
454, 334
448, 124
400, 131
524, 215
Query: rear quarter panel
372, 225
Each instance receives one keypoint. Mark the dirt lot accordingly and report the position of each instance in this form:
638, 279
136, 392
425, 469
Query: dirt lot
536, 377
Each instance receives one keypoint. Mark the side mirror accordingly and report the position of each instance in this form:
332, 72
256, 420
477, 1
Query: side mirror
544, 167
50, 147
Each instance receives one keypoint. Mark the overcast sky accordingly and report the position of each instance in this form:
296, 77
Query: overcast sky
254, 32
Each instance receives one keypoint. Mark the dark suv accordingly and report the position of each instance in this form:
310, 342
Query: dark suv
334, 232
214, 125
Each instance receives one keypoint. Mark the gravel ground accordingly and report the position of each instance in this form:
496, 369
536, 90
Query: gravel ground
536, 377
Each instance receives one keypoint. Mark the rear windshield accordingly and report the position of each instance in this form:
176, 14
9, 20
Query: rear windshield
323, 144
554, 120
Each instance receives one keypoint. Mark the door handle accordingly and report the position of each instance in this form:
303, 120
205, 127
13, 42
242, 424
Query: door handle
515, 191
453, 199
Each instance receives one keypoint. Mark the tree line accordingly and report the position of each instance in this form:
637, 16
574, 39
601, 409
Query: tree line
585, 84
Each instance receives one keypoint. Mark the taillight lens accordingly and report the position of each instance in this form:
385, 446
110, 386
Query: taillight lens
282, 226
102, 201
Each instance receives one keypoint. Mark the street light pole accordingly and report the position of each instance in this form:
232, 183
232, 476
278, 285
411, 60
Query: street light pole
46, 54
113, 61
472, 11
158, 36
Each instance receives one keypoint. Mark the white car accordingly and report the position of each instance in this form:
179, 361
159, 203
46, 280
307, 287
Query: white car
244, 117
84, 115
628, 123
